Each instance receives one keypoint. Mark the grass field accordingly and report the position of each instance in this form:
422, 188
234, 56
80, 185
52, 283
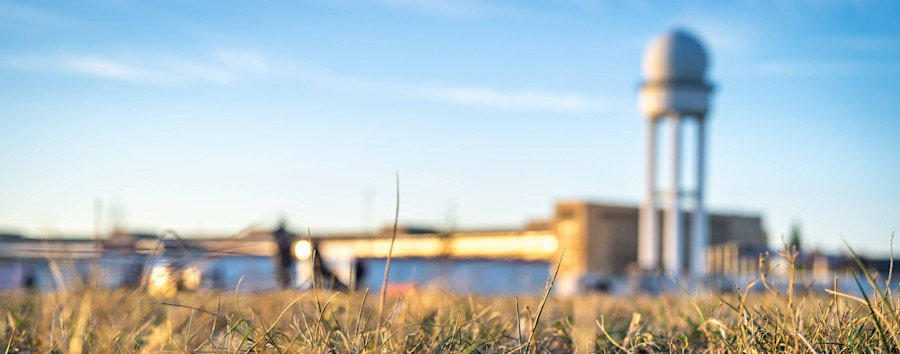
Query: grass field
757, 317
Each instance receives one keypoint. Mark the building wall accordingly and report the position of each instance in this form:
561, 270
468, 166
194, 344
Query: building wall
746, 231
571, 227
613, 238
602, 239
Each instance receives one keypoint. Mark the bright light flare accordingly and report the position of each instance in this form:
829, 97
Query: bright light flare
191, 278
162, 282
159, 276
302, 249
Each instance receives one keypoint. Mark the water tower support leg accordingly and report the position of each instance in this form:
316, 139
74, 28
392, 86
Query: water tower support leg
700, 233
648, 239
674, 241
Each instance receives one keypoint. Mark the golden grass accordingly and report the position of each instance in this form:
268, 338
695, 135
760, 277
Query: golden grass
759, 317
282, 322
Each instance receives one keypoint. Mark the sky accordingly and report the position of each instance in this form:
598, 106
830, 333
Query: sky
207, 117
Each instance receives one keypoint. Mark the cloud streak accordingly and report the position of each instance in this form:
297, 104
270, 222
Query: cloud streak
222, 67
451, 8
95, 66
21, 13
465, 95
864, 43
526, 99
233, 67
827, 68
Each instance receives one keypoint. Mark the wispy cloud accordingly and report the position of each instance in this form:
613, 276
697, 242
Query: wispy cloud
96, 66
474, 95
247, 61
22, 13
526, 99
827, 68
452, 8
871, 43
232, 67
222, 67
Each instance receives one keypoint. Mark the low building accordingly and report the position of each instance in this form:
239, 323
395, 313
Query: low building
600, 241
596, 245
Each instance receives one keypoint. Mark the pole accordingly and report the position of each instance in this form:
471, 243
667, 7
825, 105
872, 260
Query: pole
700, 237
648, 241
672, 244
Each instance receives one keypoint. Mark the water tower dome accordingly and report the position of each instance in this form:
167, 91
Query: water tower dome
674, 56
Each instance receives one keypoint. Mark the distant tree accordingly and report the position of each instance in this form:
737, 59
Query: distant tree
794, 240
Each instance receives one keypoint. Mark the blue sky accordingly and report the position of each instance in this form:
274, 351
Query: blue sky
208, 116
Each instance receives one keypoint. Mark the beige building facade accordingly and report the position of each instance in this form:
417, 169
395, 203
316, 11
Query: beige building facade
602, 239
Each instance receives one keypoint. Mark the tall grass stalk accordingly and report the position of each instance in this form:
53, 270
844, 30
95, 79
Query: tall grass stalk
387, 266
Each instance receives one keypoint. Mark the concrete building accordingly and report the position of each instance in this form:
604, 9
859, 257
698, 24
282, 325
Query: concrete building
601, 240
596, 244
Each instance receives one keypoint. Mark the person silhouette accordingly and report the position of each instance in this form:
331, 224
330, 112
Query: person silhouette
324, 277
285, 262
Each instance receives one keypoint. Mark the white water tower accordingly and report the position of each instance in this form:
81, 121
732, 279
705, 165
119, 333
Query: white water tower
674, 90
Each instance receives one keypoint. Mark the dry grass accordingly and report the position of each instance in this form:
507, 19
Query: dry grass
127, 321
756, 318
